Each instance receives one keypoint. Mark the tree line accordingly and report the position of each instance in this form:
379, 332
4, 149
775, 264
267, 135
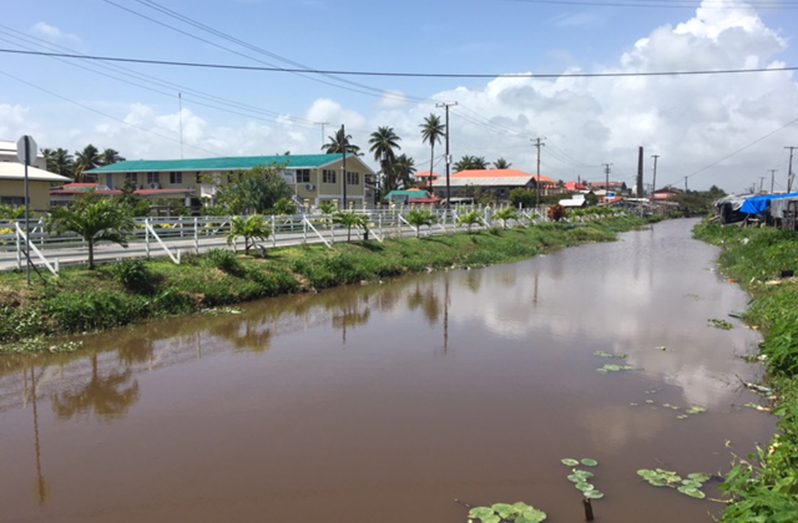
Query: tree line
74, 165
397, 170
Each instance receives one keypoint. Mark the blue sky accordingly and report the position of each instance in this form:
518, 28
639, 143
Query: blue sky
586, 122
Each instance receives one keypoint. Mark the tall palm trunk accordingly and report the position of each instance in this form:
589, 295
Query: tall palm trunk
91, 254
431, 164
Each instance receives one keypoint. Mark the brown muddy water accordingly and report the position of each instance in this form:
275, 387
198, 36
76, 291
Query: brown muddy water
384, 402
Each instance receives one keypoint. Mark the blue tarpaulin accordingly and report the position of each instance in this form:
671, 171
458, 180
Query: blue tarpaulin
760, 204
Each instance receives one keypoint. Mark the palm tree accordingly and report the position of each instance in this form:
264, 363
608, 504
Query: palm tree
339, 142
384, 143
104, 395
349, 220
501, 163
505, 215
49, 156
467, 163
432, 130
110, 156
469, 219
59, 161
94, 220
88, 158
419, 217
250, 228
404, 168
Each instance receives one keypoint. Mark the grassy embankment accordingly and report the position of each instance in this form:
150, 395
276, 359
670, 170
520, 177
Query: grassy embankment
764, 486
122, 293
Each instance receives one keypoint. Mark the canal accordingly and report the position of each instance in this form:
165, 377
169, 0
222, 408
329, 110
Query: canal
385, 402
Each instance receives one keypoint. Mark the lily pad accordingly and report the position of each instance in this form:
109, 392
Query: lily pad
569, 462
693, 492
589, 462
585, 486
480, 513
699, 476
593, 494
649, 402
611, 367
696, 409
682, 416
583, 473
605, 354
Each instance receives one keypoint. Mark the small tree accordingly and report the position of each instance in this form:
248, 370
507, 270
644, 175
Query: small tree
251, 228
284, 206
349, 220
327, 207
556, 213
95, 220
505, 215
468, 219
419, 217
253, 191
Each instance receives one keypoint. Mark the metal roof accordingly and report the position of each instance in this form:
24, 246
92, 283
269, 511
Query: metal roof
231, 163
16, 171
462, 181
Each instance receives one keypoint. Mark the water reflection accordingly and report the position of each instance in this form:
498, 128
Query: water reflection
108, 396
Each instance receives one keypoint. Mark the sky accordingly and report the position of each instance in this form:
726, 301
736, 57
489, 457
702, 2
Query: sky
727, 130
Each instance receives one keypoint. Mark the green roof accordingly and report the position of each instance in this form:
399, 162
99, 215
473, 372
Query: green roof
232, 163
409, 195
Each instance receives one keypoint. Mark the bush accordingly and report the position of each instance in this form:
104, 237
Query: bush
134, 275
224, 260
76, 311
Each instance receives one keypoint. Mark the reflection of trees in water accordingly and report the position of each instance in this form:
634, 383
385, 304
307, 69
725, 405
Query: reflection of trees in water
135, 349
105, 395
473, 280
426, 300
250, 334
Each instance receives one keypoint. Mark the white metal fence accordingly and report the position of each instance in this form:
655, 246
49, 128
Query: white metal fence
171, 236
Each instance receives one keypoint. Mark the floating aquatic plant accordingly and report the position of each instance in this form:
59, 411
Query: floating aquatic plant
589, 462
611, 367
504, 512
569, 462
580, 477
720, 324
690, 486
696, 409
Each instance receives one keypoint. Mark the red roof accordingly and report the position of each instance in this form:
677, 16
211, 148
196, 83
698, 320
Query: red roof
575, 186
502, 173
427, 174
73, 189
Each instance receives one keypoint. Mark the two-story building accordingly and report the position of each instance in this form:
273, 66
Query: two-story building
12, 179
314, 177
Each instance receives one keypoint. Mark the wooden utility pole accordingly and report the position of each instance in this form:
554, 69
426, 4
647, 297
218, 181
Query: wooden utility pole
448, 156
606, 181
654, 181
343, 165
772, 180
538, 144
685, 184
639, 188
761, 184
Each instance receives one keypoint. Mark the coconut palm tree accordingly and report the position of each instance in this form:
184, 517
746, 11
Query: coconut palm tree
384, 143
432, 130
505, 215
340, 142
467, 163
419, 217
88, 158
110, 156
59, 161
501, 163
94, 220
250, 228
103, 395
468, 219
349, 220
404, 168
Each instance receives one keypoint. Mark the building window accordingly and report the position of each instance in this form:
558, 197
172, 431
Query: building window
153, 178
303, 176
12, 200
328, 176
353, 178
131, 178
175, 178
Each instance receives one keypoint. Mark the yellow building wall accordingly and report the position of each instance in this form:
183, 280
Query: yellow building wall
39, 192
118, 180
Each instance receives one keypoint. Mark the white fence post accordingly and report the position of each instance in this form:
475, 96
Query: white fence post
196, 236
19, 250
274, 232
147, 236
304, 229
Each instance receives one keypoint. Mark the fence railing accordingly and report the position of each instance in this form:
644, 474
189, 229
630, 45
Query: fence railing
171, 236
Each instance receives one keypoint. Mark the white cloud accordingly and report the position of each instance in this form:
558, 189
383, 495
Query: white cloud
12, 121
53, 34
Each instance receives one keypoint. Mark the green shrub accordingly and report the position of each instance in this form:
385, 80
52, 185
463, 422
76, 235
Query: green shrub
224, 260
134, 275
76, 311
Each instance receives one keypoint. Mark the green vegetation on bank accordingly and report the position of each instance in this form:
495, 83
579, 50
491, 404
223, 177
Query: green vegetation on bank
129, 291
764, 486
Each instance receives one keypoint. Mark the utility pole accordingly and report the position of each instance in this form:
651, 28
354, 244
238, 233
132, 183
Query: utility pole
343, 165
323, 125
538, 144
607, 167
654, 183
772, 180
789, 171
761, 184
180, 106
685, 184
448, 156
639, 189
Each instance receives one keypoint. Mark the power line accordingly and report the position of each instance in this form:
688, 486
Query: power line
402, 74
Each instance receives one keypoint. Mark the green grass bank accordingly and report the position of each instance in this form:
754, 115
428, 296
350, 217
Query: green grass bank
132, 291
764, 486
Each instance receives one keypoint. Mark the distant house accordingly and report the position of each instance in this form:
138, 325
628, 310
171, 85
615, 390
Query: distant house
8, 153
497, 182
411, 196
616, 187
665, 194
64, 194
576, 187
574, 202
12, 185
314, 177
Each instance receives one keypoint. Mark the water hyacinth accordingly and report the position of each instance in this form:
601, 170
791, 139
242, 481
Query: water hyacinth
690, 486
